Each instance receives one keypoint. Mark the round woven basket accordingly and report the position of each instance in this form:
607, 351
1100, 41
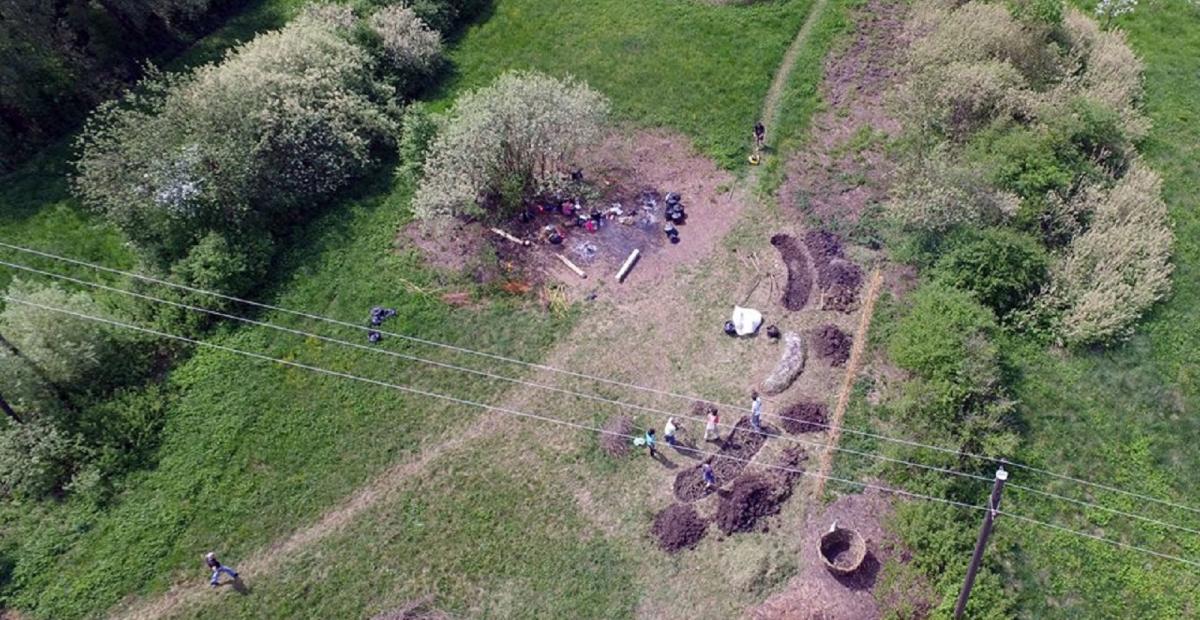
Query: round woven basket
842, 550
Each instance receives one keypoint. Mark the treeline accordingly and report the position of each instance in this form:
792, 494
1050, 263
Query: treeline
60, 58
202, 171
1024, 204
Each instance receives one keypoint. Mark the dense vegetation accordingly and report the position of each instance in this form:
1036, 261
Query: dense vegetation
59, 59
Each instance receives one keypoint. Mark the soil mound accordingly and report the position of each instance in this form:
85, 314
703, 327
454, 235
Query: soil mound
736, 451
799, 279
831, 344
678, 527
804, 417
838, 278
617, 445
791, 364
750, 498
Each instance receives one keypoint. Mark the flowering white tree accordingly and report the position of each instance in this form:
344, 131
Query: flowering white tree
1112, 9
506, 140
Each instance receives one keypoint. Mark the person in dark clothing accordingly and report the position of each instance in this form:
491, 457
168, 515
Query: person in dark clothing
210, 560
760, 134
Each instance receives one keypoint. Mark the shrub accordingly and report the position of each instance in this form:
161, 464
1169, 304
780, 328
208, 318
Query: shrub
417, 131
283, 122
957, 98
1119, 267
499, 143
935, 193
1004, 269
932, 337
410, 51
75, 353
36, 459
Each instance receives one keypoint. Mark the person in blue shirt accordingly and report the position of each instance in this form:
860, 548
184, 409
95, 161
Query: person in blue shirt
650, 443
710, 479
210, 560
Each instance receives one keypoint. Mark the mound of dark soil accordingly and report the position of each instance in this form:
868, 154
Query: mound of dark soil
799, 279
804, 417
749, 499
678, 527
617, 445
790, 469
838, 278
736, 451
831, 344
841, 293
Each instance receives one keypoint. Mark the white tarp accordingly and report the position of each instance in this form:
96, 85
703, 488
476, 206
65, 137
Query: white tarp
746, 320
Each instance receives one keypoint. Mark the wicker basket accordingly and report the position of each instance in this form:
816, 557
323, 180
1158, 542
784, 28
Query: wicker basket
842, 550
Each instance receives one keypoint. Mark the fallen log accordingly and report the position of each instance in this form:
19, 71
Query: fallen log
566, 261
633, 256
523, 242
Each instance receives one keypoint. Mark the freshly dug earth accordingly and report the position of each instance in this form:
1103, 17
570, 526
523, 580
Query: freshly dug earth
832, 344
614, 445
799, 279
736, 451
750, 498
838, 278
791, 363
678, 527
754, 496
804, 417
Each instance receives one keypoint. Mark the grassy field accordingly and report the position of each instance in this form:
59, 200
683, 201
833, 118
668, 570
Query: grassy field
250, 452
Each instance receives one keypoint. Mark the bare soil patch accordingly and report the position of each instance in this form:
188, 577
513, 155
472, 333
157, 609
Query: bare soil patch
832, 344
754, 496
846, 170
838, 278
617, 445
737, 449
804, 417
815, 592
678, 527
799, 274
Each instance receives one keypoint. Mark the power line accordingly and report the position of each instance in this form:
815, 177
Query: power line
489, 375
462, 401
951, 451
618, 403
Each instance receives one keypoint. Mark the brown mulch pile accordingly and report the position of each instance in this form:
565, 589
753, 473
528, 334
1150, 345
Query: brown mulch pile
832, 344
804, 417
678, 527
736, 451
614, 445
838, 278
799, 280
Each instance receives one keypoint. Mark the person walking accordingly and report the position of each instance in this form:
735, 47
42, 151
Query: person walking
650, 443
760, 135
210, 560
710, 430
756, 406
669, 432
710, 479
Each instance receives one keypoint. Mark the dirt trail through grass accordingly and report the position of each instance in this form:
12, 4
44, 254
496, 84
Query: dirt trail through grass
611, 330
874, 284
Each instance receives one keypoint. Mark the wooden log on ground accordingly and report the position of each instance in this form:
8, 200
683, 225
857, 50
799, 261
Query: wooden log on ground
515, 240
566, 261
633, 256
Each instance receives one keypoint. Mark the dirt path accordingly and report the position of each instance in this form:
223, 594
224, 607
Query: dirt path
874, 284
192, 589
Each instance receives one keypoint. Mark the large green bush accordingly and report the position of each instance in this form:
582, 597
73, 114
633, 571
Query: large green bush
37, 459
1003, 268
76, 354
500, 143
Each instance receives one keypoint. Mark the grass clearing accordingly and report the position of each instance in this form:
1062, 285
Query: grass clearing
251, 452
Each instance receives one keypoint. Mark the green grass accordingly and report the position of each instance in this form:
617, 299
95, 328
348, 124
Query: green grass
697, 68
251, 451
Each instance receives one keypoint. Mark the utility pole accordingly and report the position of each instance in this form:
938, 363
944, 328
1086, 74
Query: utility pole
985, 533
8, 411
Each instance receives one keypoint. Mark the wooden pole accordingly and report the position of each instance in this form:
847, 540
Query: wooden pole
515, 240
8, 410
989, 518
628, 265
566, 261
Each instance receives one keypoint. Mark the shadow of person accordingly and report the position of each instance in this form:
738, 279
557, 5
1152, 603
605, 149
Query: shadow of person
240, 586
687, 450
663, 460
